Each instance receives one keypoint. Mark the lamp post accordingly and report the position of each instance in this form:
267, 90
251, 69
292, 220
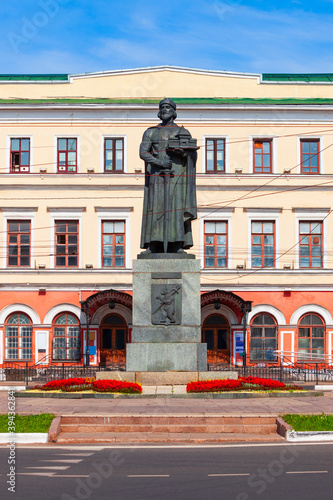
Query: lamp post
244, 337
87, 339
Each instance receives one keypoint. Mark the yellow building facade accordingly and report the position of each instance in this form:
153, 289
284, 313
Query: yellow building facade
71, 208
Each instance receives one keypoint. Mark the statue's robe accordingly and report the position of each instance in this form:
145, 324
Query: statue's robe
182, 194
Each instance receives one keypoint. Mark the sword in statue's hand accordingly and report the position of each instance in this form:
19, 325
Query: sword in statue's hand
167, 172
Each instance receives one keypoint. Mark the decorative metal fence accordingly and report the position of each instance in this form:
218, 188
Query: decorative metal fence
286, 370
39, 374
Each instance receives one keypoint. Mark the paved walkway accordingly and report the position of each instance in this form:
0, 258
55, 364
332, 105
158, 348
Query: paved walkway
170, 406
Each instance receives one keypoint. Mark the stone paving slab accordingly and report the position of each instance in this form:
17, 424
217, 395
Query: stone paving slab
267, 406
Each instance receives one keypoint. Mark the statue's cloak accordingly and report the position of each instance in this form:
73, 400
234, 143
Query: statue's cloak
182, 192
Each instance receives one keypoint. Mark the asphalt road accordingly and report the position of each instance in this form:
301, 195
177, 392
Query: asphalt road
231, 472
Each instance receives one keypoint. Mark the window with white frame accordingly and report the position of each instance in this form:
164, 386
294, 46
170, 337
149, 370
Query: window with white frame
263, 243
20, 155
67, 155
311, 244
66, 243
310, 156
18, 236
66, 338
216, 244
18, 243
216, 237
114, 242
18, 331
113, 154
215, 155
311, 238
263, 237
262, 156
263, 338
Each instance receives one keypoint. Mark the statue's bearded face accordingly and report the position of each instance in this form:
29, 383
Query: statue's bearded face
166, 111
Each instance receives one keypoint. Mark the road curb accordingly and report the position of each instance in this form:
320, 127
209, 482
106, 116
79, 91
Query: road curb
24, 438
54, 429
285, 430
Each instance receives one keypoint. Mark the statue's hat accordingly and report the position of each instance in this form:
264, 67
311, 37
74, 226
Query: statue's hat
167, 101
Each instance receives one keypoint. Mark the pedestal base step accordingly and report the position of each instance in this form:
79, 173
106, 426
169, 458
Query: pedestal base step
165, 378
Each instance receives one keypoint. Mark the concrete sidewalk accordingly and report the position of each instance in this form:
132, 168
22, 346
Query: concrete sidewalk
168, 406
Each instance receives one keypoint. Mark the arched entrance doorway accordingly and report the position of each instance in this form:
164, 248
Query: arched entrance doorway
113, 339
216, 334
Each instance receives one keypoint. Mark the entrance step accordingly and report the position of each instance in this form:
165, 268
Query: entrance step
171, 428
167, 437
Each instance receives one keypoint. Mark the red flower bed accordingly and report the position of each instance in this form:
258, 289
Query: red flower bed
263, 382
116, 386
214, 385
88, 384
241, 384
67, 383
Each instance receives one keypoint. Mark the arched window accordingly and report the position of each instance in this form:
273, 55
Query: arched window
18, 337
263, 340
66, 338
311, 337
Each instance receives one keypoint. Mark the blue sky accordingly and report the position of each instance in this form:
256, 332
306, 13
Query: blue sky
76, 36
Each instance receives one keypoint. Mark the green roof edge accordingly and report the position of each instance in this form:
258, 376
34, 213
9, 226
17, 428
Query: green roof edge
34, 78
297, 77
265, 77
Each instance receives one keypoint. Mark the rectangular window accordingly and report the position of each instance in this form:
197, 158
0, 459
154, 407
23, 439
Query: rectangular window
215, 155
311, 244
262, 156
18, 243
67, 155
20, 155
114, 155
310, 156
113, 243
66, 243
263, 244
216, 244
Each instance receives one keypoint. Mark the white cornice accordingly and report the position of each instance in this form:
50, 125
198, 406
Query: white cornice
146, 114
113, 209
66, 209
271, 210
19, 209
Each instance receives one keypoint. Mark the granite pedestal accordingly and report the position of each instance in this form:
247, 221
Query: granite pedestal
166, 334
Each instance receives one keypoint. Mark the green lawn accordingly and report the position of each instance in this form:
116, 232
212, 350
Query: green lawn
321, 422
29, 423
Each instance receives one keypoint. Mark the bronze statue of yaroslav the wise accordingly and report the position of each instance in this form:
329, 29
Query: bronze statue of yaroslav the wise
169, 153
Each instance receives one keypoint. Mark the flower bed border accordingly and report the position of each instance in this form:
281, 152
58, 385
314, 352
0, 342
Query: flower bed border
202, 395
